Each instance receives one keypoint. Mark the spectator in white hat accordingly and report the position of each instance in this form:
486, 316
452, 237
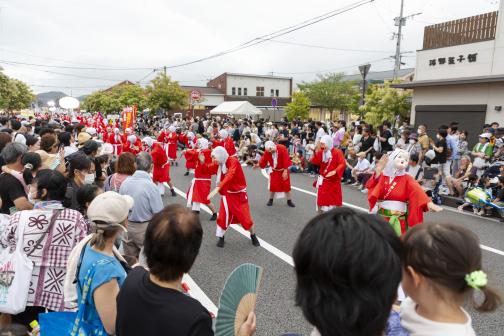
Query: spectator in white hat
482, 152
108, 214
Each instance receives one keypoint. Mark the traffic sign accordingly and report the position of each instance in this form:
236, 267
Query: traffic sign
364, 69
195, 95
274, 102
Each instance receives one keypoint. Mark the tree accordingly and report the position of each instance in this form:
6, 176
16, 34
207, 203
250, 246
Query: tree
386, 103
114, 100
163, 93
14, 94
299, 107
330, 91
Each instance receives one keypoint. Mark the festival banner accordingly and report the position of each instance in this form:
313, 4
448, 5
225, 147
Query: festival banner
129, 117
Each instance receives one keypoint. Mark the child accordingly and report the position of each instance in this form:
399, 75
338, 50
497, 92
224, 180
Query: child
442, 268
472, 182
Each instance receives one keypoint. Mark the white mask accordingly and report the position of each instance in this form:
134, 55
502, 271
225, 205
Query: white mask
30, 198
89, 179
411, 141
419, 131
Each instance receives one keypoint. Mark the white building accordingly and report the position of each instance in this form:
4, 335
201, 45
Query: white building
460, 74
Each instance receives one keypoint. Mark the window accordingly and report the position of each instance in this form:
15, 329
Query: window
277, 93
233, 91
272, 93
260, 91
239, 91
244, 91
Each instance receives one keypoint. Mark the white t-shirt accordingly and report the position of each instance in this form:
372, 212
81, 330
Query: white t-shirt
362, 164
417, 325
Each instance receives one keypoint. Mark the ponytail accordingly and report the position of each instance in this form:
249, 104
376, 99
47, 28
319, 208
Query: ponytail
32, 162
28, 173
490, 303
103, 232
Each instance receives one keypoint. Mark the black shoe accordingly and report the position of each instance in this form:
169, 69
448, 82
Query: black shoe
214, 217
195, 212
289, 203
270, 202
186, 174
173, 193
220, 243
171, 163
254, 239
176, 164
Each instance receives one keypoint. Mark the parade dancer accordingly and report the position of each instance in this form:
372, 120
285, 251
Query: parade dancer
133, 145
231, 184
395, 195
202, 182
169, 139
277, 158
116, 141
161, 170
332, 165
228, 142
191, 156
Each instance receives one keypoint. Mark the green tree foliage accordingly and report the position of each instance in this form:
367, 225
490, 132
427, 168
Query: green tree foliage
330, 91
14, 94
386, 103
299, 107
114, 100
165, 94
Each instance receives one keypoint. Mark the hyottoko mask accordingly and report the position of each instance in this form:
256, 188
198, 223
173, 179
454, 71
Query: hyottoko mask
397, 163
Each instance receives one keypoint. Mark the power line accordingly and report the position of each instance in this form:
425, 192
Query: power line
73, 67
334, 69
329, 48
278, 33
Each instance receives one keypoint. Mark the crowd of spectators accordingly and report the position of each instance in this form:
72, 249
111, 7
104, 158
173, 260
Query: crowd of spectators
86, 218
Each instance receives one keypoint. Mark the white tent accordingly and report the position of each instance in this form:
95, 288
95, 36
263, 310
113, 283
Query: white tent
236, 108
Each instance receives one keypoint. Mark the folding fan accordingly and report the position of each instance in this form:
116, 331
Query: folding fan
238, 299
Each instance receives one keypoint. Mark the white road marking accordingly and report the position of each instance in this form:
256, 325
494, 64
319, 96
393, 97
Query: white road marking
264, 244
483, 247
197, 293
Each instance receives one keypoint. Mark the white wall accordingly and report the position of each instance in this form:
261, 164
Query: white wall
490, 94
283, 85
482, 66
498, 66
212, 100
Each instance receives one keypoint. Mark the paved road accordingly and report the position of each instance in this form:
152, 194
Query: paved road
280, 226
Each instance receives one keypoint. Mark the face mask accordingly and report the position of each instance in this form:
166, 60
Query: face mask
30, 198
411, 141
438, 137
419, 131
89, 179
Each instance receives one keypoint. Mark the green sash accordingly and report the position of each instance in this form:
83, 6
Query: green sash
395, 219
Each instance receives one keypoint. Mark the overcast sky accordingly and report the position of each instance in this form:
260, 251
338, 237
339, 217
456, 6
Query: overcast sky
153, 33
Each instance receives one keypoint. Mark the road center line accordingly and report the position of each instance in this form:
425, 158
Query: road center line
483, 247
264, 244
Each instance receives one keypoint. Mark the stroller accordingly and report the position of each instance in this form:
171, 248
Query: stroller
480, 199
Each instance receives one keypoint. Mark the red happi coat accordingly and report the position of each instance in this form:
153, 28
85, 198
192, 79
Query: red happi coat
161, 170
230, 146
402, 188
183, 139
277, 183
201, 183
169, 140
234, 206
217, 143
191, 156
128, 147
117, 144
329, 192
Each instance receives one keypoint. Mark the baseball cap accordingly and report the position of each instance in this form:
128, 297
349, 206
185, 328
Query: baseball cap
486, 136
110, 207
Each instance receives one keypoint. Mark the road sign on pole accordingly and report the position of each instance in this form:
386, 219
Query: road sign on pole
274, 102
195, 95
364, 69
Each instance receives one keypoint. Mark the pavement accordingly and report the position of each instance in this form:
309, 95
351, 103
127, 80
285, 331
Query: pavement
278, 228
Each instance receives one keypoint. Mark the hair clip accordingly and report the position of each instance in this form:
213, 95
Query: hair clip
476, 279
28, 166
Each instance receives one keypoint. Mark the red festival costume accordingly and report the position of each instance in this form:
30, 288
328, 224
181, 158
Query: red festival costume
230, 146
161, 170
169, 139
201, 183
329, 188
234, 205
283, 162
386, 193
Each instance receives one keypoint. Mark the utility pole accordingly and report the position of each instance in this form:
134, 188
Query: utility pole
400, 22
164, 70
